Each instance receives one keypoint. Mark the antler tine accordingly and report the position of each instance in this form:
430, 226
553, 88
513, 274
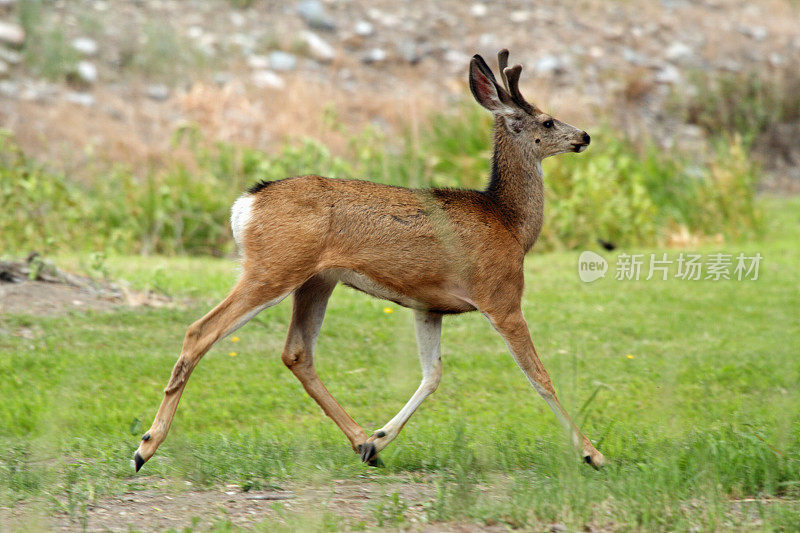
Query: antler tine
511, 76
502, 62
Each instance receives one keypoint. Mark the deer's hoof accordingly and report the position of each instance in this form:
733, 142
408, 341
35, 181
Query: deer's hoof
595, 462
369, 454
138, 461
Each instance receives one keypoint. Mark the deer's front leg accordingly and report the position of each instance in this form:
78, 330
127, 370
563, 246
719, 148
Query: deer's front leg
428, 328
514, 330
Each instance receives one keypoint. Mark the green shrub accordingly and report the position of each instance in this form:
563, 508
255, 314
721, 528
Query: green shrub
614, 191
744, 103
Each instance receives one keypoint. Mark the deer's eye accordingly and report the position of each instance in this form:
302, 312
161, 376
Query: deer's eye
548, 123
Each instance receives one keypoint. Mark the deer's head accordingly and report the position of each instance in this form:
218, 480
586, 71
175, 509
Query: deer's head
534, 131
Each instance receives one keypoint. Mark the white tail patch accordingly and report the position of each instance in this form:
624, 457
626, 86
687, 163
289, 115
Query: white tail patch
240, 217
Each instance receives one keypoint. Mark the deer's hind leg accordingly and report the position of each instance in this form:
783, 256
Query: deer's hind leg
428, 329
246, 300
310, 302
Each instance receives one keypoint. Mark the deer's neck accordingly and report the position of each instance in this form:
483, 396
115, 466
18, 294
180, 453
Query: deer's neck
517, 187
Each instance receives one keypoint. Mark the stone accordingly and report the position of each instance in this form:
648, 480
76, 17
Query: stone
757, 33
237, 19
478, 10
266, 79
85, 45
678, 51
456, 59
549, 64
315, 15
10, 56
12, 34
9, 89
376, 55
668, 75
318, 48
79, 98
158, 92
519, 16
282, 61
86, 72
257, 62
364, 28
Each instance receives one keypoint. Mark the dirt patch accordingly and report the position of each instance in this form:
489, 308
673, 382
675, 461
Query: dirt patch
37, 287
354, 501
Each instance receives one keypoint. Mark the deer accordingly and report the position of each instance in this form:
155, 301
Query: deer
437, 251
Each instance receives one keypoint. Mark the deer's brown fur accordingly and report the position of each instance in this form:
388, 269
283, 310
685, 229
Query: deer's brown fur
438, 251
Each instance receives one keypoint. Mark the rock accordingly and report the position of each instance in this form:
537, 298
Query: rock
282, 61
258, 62
376, 55
237, 19
267, 79
5, 4
731, 65
9, 89
246, 43
410, 52
86, 72
549, 65
158, 92
456, 59
194, 32
11, 34
85, 45
10, 56
776, 59
84, 99
757, 33
668, 75
364, 28
679, 51
318, 47
478, 10
221, 79
633, 57
519, 16
315, 15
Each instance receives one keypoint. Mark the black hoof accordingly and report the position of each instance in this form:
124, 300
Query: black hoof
368, 451
588, 460
138, 461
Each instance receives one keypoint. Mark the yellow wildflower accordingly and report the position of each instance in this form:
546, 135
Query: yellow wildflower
234, 339
232, 354
388, 310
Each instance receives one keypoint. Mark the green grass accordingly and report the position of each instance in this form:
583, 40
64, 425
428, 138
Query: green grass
706, 411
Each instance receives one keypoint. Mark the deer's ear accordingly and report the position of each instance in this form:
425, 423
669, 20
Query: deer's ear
485, 89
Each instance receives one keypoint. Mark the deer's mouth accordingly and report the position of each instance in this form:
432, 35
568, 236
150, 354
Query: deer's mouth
579, 147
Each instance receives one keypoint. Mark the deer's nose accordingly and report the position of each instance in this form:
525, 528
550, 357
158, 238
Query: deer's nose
586, 138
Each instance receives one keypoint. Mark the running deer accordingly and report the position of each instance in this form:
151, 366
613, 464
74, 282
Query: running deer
436, 251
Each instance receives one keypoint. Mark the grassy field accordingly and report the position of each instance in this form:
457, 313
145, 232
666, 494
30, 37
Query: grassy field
690, 389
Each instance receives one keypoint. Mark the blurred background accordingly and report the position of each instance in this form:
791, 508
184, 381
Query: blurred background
132, 126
